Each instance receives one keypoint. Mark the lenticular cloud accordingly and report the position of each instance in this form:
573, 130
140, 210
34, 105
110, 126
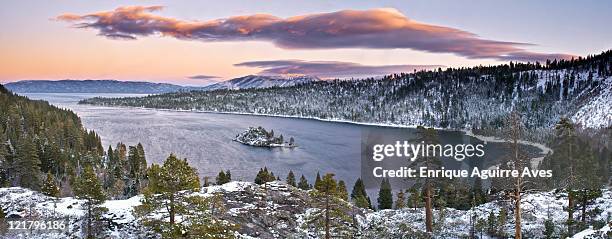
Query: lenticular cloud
374, 29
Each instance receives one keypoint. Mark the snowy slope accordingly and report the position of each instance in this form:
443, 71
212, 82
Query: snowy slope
255, 207
255, 81
597, 113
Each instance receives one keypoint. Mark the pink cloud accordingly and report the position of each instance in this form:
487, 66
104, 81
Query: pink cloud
330, 69
375, 29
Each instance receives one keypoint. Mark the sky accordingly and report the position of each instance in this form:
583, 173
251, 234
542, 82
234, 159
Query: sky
198, 42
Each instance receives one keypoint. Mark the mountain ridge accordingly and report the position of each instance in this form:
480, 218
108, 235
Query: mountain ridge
146, 87
261, 81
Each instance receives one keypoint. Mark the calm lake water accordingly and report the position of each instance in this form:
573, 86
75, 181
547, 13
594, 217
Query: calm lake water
205, 139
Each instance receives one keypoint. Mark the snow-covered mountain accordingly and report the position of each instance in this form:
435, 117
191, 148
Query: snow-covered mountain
260, 81
93, 86
277, 210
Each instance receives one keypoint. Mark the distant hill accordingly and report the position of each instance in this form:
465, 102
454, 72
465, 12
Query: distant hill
92, 86
255, 81
142, 87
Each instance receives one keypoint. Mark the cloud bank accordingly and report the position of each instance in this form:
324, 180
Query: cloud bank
330, 69
372, 29
203, 77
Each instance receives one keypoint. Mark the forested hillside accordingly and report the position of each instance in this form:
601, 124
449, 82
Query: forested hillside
36, 138
477, 97
45, 148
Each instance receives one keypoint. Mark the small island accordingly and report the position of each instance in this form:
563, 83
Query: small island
258, 136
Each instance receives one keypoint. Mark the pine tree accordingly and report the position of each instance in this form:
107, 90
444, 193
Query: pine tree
28, 165
481, 225
565, 132
502, 218
359, 195
415, 197
203, 220
228, 176
477, 193
317, 184
332, 211
291, 178
221, 178
168, 189
50, 188
385, 195
400, 202
89, 188
264, 176
303, 184
549, 229
491, 223
342, 192
429, 136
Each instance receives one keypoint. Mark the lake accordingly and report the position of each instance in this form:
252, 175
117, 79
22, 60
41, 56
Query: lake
205, 139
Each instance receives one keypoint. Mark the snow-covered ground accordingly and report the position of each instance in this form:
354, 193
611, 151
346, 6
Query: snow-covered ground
597, 113
251, 205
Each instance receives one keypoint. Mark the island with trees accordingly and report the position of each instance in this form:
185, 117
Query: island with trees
260, 137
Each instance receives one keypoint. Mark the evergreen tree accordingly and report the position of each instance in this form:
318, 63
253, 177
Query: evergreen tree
50, 188
415, 197
221, 178
202, 220
168, 189
317, 184
491, 223
481, 225
477, 194
291, 178
331, 215
89, 188
385, 195
264, 176
137, 169
549, 229
28, 165
342, 192
400, 202
565, 132
303, 184
359, 195
502, 218
429, 136
228, 176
